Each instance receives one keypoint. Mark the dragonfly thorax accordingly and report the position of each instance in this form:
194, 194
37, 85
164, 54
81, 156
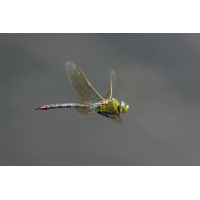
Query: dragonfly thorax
123, 107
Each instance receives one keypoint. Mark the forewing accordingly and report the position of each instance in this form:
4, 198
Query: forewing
112, 84
82, 87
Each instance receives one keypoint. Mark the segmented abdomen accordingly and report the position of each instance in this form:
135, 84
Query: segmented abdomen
65, 105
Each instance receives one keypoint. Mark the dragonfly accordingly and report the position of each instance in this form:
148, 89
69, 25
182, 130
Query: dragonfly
91, 100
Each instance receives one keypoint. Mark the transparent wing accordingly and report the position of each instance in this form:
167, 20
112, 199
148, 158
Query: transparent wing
82, 87
84, 112
117, 119
112, 84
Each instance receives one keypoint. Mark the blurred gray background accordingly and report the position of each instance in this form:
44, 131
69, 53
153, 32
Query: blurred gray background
158, 75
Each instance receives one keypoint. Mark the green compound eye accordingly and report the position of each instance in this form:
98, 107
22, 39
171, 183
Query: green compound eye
123, 107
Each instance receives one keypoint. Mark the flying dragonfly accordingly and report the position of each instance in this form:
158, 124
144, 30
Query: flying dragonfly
91, 100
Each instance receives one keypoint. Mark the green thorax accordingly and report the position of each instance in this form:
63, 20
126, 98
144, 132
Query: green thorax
108, 106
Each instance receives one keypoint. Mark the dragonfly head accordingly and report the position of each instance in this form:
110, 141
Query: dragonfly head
123, 107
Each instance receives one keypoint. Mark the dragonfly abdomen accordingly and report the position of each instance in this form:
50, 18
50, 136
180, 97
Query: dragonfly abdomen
63, 105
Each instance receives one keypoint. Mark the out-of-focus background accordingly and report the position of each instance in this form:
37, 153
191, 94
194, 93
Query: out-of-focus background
158, 75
